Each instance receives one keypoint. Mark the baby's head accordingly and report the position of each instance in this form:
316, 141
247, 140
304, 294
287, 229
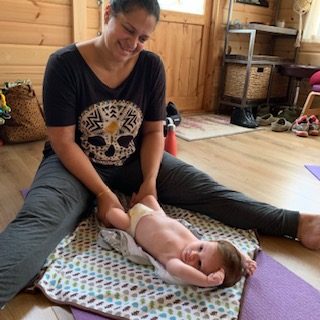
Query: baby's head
231, 263
211, 256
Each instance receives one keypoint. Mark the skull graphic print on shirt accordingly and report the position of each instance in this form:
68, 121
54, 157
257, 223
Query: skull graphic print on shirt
108, 130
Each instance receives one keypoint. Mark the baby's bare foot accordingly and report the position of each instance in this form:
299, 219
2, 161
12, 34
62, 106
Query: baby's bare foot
309, 231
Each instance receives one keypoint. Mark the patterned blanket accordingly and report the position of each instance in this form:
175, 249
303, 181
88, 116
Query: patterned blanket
81, 273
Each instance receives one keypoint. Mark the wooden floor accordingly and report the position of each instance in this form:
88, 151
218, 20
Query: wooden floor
265, 165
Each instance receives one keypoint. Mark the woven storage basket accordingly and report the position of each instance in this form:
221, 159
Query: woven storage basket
258, 81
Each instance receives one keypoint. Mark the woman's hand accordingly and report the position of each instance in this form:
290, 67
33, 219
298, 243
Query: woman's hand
107, 200
147, 188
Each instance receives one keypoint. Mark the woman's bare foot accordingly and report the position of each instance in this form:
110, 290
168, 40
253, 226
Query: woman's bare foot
309, 231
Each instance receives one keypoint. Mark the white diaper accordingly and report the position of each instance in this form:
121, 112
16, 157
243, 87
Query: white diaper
136, 213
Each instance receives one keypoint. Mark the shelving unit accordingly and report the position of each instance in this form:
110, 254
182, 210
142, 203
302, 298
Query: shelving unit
250, 60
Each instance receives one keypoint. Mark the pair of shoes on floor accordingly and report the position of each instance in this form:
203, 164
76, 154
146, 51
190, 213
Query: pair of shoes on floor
305, 126
266, 119
281, 125
289, 113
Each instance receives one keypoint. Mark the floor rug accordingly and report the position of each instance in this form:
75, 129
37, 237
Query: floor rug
275, 293
86, 276
197, 127
315, 170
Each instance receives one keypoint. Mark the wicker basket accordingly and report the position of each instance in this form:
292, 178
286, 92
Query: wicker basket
258, 81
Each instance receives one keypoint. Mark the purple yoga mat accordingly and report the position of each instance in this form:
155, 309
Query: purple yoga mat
272, 293
315, 170
275, 293
24, 192
85, 315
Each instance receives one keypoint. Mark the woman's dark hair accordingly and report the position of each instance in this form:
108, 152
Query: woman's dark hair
125, 6
232, 263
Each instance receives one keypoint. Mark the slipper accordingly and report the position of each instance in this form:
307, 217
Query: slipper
281, 125
289, 113
266, 119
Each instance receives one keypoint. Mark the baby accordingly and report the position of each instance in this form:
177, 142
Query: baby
196, 262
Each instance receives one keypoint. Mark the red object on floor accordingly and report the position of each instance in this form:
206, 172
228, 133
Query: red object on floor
1, 142
171, 140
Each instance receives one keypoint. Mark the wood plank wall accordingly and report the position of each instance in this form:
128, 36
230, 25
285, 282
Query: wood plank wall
239, 44
32, 30
308, 54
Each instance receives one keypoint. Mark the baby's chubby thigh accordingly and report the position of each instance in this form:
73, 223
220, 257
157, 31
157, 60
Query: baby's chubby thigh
137, 214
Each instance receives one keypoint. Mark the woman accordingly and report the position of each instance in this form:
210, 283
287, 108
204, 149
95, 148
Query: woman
104, 102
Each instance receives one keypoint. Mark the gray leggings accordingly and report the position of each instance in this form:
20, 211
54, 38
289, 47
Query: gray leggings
57, 201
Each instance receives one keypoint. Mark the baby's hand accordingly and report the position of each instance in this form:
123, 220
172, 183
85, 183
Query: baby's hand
249, 265
216, 278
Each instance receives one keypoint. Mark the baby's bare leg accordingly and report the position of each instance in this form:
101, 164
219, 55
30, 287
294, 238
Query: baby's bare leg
119, 219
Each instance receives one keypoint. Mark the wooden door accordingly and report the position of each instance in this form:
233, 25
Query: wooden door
182, 40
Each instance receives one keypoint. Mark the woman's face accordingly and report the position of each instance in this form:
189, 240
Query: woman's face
126, 33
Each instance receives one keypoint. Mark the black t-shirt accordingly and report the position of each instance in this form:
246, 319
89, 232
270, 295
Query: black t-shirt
108, 121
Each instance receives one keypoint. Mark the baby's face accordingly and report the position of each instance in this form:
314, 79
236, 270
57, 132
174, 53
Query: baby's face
202, 255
